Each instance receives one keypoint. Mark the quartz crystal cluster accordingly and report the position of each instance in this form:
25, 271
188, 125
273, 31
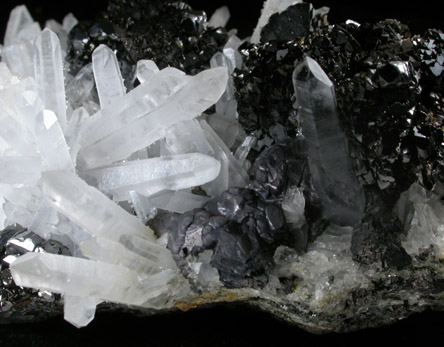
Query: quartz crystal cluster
153, 160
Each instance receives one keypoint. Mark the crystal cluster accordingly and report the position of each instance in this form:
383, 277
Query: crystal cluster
155, 160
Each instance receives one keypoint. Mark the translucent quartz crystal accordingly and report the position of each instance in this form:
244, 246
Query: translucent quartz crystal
236, 175
146, 112
422, 213
79, 311
270, 7
113, 252
228, 128
341, 195
19, 19
142, 206
20, 170
109, 82
146, 70
75, 199
69, 22
177, 201
220, 17
46, 130
293, 206
17, 137
80, 90
227, 104
150, 176
49, 74
231, 51
21, 30
61, 33
72, 132
243, 150
86, 278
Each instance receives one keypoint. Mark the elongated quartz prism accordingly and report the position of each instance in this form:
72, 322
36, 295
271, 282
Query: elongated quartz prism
75, 199
143, 120
150, 176
49, 74
341, 194
107, 75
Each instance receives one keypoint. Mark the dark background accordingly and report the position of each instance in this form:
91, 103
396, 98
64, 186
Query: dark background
240, 325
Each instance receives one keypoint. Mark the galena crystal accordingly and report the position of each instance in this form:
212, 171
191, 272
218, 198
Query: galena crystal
157, 161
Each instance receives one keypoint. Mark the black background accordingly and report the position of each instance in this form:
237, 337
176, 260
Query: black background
240, 325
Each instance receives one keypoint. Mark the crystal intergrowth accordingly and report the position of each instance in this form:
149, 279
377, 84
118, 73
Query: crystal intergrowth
80, 153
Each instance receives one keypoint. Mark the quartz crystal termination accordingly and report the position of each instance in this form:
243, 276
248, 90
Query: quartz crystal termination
145, 121
152, 175
49, 74
342, 196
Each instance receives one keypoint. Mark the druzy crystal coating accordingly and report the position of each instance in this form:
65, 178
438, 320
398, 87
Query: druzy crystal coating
159, 161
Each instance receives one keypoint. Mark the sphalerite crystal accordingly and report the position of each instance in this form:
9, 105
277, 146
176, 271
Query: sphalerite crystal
155, 159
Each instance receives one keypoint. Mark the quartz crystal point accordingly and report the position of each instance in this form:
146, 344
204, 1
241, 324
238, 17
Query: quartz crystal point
330, 165
270, 7
220, 17
227, 104
146, 70
107, 75
143, 118
21, 30
49, 74
45, 127
150, 176
75, 199
79, 311
86, 278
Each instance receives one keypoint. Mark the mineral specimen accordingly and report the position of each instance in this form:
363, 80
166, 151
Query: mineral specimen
299, 170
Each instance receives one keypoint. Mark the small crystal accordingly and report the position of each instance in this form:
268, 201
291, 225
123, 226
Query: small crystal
107, 75
146, 70
220, 17
80, 311
177, 201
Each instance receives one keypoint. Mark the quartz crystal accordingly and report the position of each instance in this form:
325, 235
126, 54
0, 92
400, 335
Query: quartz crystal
139, 122
150, 176
109, 82
49, 74
155, 161
329, 160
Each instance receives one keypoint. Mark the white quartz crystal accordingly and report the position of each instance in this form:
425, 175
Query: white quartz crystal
85, 278
146, 70
219, 18
150, 176
49, 74
75, 199
143, 121
177, 201
79, 311
107, 75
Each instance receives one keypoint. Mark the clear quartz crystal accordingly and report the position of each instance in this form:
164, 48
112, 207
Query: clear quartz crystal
20, 33
79, 311
145, 122
341, 194
228, 128
49, 74
150, 176
146, 70
177, 201
85, 278
107, 75
75, 199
